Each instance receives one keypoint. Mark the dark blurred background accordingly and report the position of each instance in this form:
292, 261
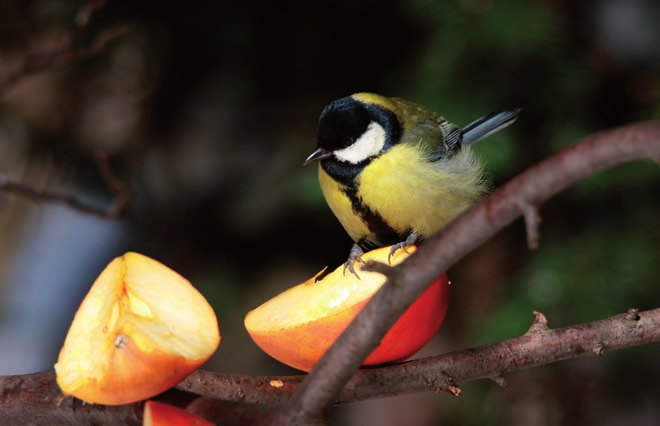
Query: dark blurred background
208, 109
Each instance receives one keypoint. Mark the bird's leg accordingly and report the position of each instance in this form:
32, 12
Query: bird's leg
410, 241
354, 256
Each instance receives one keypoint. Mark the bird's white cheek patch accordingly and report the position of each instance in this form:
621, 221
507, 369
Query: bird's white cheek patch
368, 145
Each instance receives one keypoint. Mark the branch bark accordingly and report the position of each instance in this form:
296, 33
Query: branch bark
539, 346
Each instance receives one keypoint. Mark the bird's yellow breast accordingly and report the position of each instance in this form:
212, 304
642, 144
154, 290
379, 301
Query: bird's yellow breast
341, 206
407, 191
411, 193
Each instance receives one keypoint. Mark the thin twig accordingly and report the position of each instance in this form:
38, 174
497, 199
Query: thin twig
532, 220
69, 50
119, 188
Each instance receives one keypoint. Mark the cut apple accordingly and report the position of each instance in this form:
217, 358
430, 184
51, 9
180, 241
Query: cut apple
141, 329
159, 414
299, 325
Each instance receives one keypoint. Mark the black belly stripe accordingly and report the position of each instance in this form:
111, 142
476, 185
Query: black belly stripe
383, 233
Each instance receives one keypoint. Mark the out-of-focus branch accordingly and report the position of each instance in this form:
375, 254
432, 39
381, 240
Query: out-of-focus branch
68, 50
120, 188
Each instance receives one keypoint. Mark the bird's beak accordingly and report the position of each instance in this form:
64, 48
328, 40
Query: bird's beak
317, 155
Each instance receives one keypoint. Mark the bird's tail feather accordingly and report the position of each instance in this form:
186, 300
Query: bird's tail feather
487, 125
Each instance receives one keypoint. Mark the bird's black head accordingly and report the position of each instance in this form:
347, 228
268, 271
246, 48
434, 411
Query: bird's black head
351, 133
342, 123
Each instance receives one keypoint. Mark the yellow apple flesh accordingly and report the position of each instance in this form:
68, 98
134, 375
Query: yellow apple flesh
298, 326
141, 329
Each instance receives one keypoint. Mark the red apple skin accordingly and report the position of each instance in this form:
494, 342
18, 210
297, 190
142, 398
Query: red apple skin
415, 327
303, 347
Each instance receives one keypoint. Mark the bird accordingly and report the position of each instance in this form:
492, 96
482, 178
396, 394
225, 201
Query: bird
394, 172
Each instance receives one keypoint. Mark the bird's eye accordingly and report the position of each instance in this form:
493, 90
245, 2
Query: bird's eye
348, 142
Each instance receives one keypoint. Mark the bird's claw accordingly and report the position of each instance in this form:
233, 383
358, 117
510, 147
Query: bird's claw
403, 245
353, 257
396, 247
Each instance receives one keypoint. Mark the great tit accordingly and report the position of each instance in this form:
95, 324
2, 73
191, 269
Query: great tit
394, 172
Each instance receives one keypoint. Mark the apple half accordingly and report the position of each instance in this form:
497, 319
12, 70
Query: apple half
298, 326
141, 329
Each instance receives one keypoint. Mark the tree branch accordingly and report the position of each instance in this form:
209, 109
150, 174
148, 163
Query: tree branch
539, 346
408, 280
215, 394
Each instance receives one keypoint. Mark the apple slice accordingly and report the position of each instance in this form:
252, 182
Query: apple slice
141, 329
160, 414
297, 326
